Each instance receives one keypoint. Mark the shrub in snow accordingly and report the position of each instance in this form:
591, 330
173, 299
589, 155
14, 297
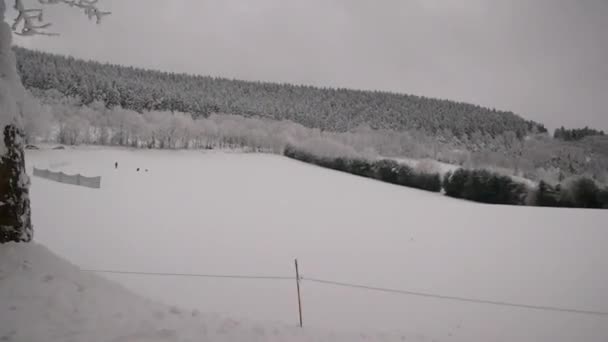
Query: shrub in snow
428, 166
545, 195
574, 193
361, 167
550, 175
454, 183
485, 187
583, 193
427, 181
384, 170
602, 196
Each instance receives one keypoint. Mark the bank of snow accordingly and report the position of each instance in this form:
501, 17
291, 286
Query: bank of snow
46, 299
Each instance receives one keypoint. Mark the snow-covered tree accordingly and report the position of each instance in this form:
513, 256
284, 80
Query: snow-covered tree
328, 109
36, 119
15, 215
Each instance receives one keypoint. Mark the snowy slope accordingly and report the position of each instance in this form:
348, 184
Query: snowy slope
196, 212
44, 298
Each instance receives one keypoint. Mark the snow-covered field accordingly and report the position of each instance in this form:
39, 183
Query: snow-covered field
231, 213
45, 298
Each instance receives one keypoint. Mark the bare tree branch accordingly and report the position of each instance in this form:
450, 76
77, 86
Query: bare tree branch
31, 20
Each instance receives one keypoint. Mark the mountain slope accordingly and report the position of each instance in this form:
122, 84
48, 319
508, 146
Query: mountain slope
324, 108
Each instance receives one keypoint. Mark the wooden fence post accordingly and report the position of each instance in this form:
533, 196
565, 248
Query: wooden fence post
298, 286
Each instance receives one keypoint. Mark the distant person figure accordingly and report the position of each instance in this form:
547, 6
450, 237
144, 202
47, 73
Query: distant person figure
137, 169
116, 165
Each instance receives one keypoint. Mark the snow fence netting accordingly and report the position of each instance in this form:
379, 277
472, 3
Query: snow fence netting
89, 182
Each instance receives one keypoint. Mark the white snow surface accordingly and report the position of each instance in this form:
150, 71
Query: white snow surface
230, 213
45, 298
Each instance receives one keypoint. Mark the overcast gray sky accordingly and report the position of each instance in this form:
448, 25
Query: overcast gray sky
546, 60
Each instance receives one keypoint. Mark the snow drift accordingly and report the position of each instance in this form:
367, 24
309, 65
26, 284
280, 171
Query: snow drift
45, 298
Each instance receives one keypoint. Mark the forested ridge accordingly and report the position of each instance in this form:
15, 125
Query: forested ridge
325, 108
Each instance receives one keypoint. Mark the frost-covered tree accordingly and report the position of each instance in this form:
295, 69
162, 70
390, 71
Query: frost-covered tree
324, 108
575, 134
15, 215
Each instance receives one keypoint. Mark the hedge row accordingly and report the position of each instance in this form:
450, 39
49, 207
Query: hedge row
474, 185
582, 193
384, 170
485, 187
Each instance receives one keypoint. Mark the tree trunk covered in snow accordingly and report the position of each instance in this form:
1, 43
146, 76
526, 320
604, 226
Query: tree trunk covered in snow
15, 216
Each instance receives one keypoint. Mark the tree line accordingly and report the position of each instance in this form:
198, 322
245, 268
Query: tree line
575, 134
52, 117
323, 108
476, 185
385, 170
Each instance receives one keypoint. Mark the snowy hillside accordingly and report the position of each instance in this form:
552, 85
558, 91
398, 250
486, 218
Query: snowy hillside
44, 298
252, 214
325, 108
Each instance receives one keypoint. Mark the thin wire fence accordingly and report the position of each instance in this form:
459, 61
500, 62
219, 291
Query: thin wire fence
230, 276
458, 299
366, 288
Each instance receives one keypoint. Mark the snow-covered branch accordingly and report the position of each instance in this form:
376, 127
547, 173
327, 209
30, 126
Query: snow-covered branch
32, 23
89, 7
29, 18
